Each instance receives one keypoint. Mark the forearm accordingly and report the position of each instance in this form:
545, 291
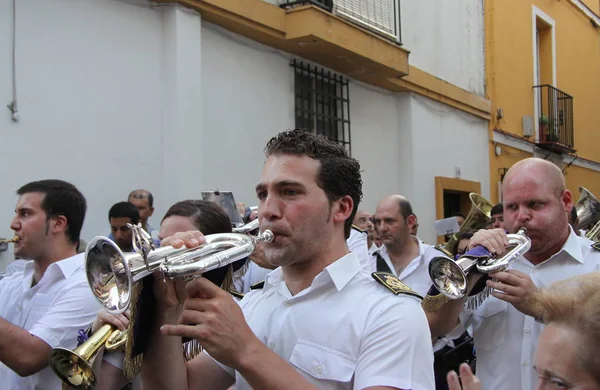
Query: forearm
164, 366
21, 351
264, 369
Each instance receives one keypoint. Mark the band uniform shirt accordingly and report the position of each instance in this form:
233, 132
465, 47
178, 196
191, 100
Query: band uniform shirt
415, 275
506, 339
53, 310
346, 331
251, 275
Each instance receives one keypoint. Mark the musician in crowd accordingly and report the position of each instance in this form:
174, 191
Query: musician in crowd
505, 330
567, 352
44, 305
144, 200
497, 214
320, 321
119, 216
407, 257
183, 216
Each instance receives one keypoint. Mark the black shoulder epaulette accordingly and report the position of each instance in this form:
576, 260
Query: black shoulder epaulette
394, 284
444, 251
596, 246
236, 294
257, 286
358, 229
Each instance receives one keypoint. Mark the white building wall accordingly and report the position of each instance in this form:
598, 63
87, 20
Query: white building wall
89, 97
446, 39
403, 141
115, 95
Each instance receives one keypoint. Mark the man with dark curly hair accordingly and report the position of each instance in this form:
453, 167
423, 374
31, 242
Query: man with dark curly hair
320, 321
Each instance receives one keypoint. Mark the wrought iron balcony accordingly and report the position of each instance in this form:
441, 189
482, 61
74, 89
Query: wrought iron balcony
555, 122
379, 16
325, 4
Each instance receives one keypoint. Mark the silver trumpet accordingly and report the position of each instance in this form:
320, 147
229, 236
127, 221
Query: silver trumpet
111, 273
250, 226
450, 277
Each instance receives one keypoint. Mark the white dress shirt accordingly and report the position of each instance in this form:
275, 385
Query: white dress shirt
53, 310
252, 275
506, 339
416, 275
346, 331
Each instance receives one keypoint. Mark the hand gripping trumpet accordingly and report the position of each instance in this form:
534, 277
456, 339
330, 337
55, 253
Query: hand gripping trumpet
74, 368
450, 277
111, 273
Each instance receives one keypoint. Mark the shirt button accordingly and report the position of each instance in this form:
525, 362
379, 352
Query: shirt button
319, 369
526, 363
527, 330
535, 271
272, 345
288, 303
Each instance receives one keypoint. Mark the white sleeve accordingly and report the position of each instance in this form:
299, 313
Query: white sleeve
357, 243
76, 308
396, 348
115, 358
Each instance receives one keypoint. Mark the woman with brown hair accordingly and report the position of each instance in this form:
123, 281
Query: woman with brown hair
567, 354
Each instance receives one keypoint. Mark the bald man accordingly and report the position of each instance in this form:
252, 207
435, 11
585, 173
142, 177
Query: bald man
505, 330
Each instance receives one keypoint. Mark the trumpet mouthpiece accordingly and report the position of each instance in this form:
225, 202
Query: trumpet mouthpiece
10, 240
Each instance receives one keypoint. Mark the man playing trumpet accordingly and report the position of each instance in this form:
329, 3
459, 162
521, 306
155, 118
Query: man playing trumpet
320, 321
505, 330
44, 305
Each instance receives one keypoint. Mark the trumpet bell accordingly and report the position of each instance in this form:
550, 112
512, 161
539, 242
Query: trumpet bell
588, 209
450, 277
72, 369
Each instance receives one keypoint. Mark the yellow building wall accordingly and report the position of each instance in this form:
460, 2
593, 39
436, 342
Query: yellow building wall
510, 76
593, 5
579, 176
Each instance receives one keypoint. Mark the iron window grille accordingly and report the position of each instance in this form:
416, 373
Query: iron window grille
322, 103
325, 4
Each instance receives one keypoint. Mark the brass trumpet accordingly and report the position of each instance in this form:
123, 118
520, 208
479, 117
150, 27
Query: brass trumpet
74, 368
111, 274
478, 218
588, 209
450, 277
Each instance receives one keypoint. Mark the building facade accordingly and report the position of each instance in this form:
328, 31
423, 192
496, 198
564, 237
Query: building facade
180, 97
542, 72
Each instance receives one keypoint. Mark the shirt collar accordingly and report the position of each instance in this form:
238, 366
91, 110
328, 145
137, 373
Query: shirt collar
572, 247
340, 272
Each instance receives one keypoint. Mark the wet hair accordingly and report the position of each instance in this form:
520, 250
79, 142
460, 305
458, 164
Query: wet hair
60, 198
339, 175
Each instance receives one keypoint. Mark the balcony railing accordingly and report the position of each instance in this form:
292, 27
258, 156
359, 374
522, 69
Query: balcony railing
555, 122
325, 4
379, 16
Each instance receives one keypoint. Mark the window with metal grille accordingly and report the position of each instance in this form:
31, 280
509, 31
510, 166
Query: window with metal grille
322, 103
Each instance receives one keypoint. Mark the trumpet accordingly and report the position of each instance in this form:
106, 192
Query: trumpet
74, 368
588, 209
450, 277
111, 274
478, 218
250, 226
13, 240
